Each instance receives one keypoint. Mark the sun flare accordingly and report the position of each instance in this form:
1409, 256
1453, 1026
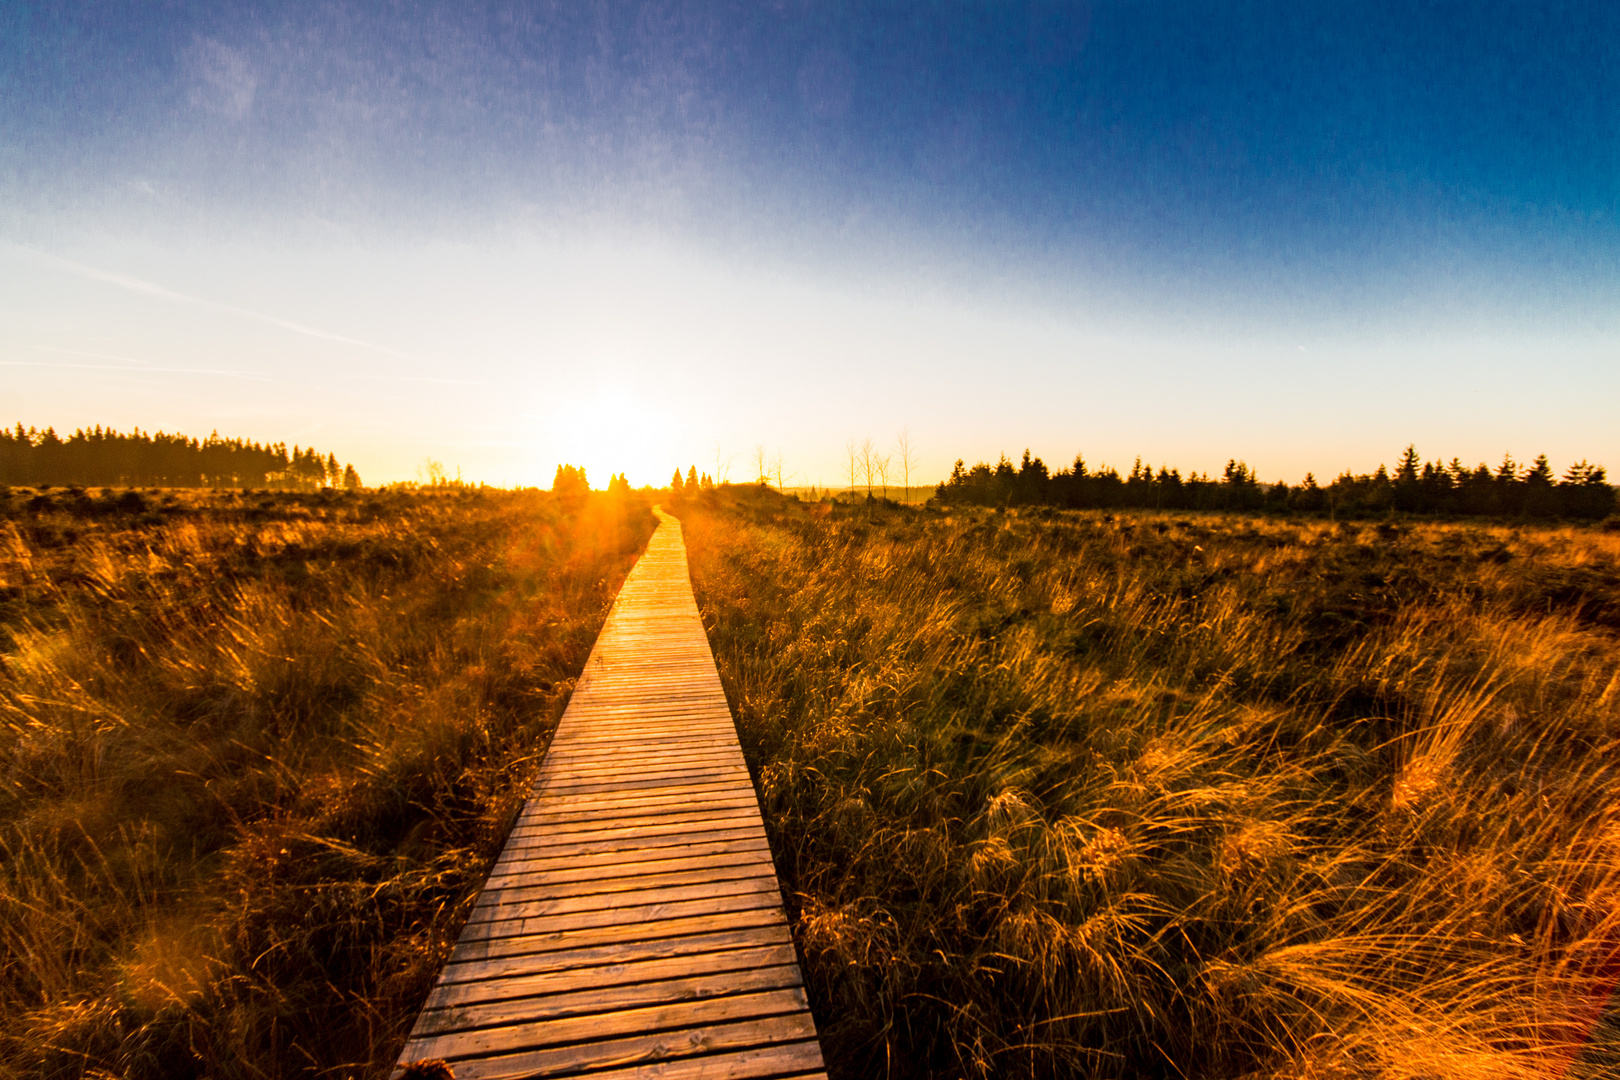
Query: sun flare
606, 432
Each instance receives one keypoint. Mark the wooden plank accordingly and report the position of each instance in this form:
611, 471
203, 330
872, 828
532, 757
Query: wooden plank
629, 809
590, 958
653, 764
629, 914
657, 814
679, 1019
604, 885
658, 776
610, 852
619, 859
616, 888
633, 924
694, 826
600, 1000
468, 951
729, 775
599, 749
708, 717
537, 824
634, 808
663, 850
612, 801
458, 994
693, 705
628, 764
785, 1062
629, 863
713, 737
695, 1045
534, 907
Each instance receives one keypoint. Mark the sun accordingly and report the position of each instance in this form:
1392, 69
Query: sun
610, 430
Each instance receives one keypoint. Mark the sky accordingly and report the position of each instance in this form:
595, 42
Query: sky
635, 236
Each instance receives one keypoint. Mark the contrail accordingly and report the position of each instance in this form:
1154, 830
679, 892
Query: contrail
91, 355
128, 364
139, 368
147, 288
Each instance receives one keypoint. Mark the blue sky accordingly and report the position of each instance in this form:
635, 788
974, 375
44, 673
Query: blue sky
508, 235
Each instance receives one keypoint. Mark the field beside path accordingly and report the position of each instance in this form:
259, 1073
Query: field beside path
257, 751
1173, 795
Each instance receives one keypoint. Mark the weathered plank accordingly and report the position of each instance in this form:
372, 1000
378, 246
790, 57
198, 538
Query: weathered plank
457, 994
632, 863
585, 959
633, 924
607, 887
599, 1001
605, 854
697, 1052
593, 937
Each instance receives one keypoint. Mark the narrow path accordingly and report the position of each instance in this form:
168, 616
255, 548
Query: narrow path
633, 925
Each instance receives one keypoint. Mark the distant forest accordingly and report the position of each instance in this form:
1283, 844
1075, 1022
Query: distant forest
107, 458
1415, 486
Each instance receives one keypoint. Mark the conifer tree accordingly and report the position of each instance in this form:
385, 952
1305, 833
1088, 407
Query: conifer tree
570, 483
1407, 471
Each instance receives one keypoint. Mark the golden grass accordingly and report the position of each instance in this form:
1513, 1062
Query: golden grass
256, 753
1181, 796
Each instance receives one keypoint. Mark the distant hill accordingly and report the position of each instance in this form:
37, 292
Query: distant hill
102, 457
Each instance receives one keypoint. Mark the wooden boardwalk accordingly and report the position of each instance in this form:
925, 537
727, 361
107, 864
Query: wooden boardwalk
633, 925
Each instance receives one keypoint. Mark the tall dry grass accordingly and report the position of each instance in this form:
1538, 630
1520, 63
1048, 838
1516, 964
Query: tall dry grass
256, 753
1147, 795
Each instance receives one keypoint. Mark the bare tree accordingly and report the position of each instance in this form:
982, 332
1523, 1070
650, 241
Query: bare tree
777, 465
722, 465
868, 466
880, 462
761, 475
908, 459
849, 448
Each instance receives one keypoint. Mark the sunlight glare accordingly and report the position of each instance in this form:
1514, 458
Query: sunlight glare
606, 432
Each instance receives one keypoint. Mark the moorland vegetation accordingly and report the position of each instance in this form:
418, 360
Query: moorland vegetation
257, 751
1415, 486
1081, 793
1052, 792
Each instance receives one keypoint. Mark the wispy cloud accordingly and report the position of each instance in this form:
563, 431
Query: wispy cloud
152, 289
90, 355
126, 364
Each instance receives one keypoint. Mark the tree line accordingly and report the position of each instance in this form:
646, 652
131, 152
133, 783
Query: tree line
570, 482
693, 482
103, 457
1414, 486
